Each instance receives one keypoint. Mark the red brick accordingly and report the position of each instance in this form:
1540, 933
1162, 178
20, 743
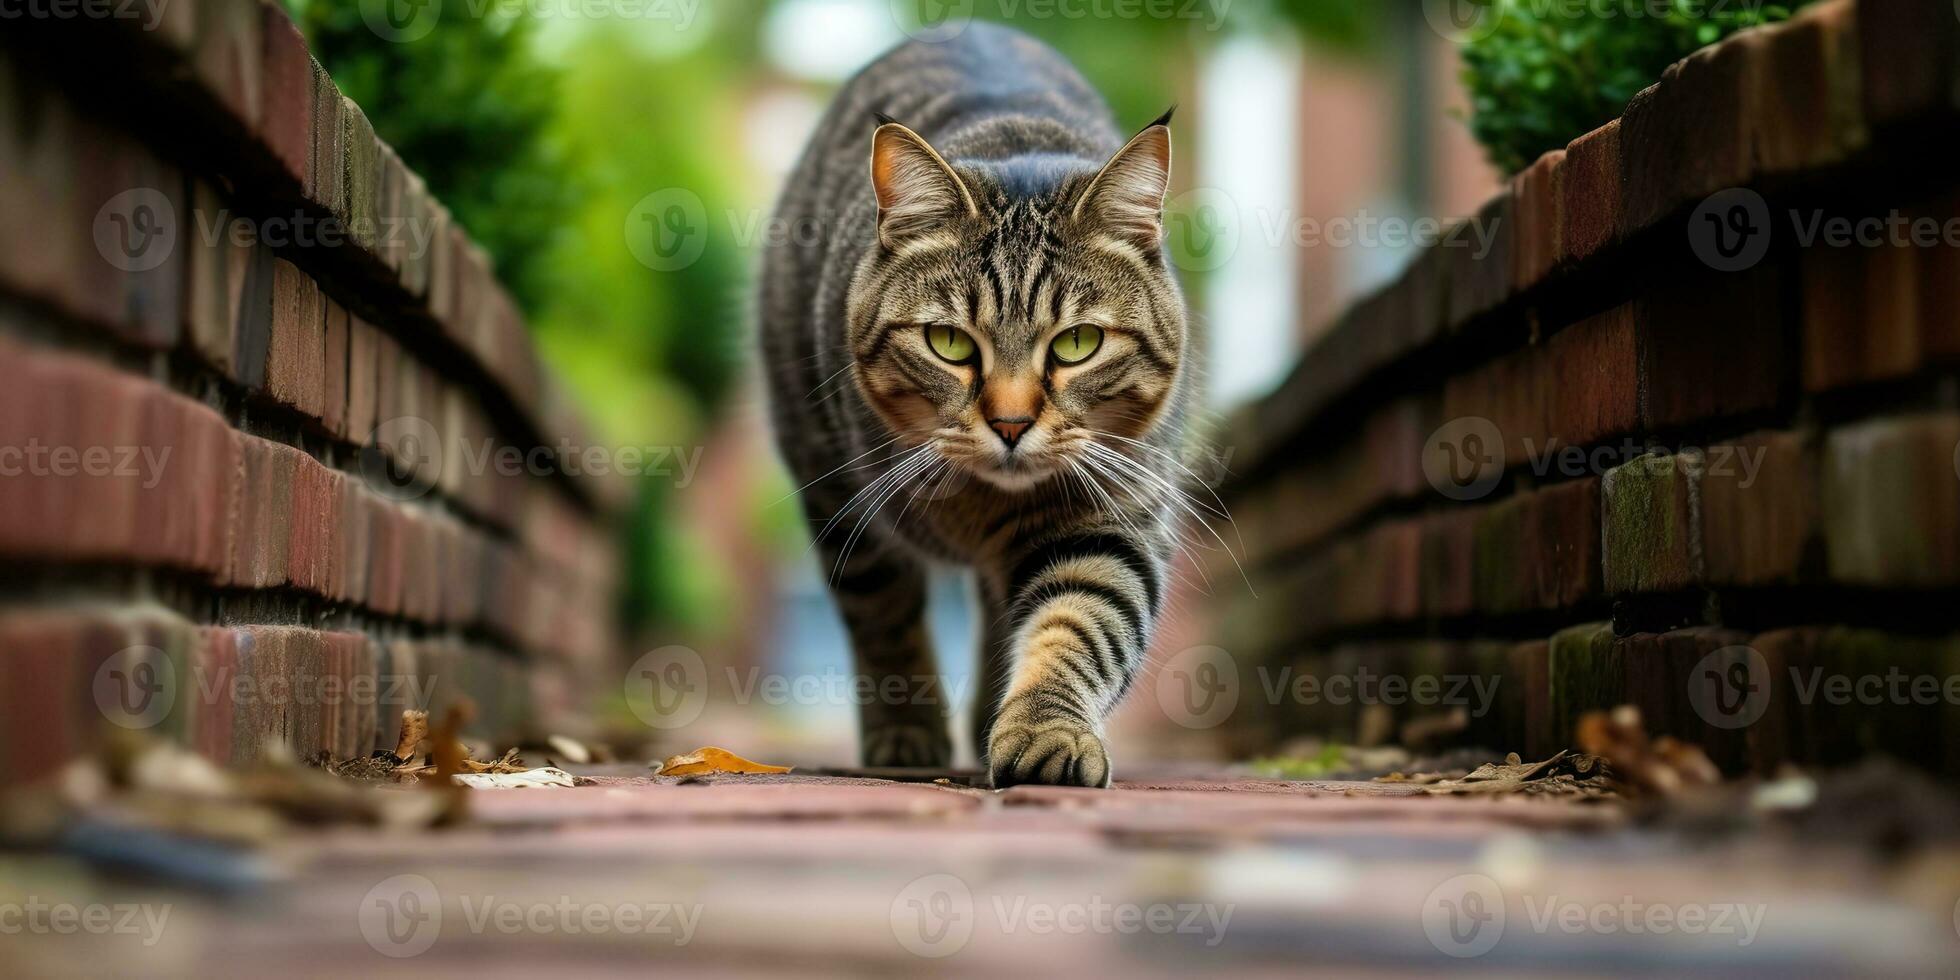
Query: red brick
1590, 192
326, 163
1541, 225
1690, 134
41, 656
386, 545
310, 526
210, 315
1594, 378
229, 53
250, 276
361, 163
362, 352
293, 363
1909, 55
1759, 510
285, 119
262, 542
335, 367
1712, 345
1808, 82
1480, 280
1562, 543
215, 677
1891, 502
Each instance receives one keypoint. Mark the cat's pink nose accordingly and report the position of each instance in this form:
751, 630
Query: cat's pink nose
1010, 430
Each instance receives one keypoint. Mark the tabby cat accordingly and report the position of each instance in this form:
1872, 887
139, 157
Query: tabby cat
978, 354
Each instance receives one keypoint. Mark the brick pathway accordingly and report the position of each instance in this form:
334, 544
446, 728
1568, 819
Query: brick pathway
838, 875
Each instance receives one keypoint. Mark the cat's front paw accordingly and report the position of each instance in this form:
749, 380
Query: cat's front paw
1053, 751
907, 747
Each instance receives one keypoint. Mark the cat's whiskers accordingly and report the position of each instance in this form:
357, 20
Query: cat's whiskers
1176, 496
897, 477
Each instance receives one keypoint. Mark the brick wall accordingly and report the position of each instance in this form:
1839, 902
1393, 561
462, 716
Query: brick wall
1656, 443
260, 405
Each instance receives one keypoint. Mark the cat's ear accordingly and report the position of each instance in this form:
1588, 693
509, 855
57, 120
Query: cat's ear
917, 190
1127, 197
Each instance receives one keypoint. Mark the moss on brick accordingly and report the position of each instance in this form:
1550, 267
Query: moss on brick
1586, 674
1650, 534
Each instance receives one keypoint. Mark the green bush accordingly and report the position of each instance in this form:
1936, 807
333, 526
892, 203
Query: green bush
1545, 72
468, 107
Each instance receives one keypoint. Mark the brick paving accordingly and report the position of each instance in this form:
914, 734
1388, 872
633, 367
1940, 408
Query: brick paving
839, 875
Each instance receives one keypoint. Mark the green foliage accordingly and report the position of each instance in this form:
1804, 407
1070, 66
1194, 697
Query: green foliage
470, 109
1544, 73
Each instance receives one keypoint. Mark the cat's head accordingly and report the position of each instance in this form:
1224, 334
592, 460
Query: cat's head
1010, 313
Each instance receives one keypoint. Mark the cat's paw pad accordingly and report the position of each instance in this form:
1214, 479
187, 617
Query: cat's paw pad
907, 746
1060, 752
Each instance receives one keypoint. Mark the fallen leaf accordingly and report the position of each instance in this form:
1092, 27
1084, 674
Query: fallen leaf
528, 779
415, 728
704, 761
572, 749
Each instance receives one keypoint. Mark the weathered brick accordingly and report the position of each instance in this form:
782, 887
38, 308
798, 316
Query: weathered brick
1594, 378
1562, 543
1909, 58
1712, 345
1480, 280
1585, 672
261, 544
1808, 82
334, 370
1861, 315
1891, 502
251, 275
326, 158
361, 177
1539, 193
210, 311
1759, 510
1500, 583
1651, 527
362, 353
215, 674
1686, 653
285, 118
41, 656
229, 54
1690, 134
294, 376
1590, 193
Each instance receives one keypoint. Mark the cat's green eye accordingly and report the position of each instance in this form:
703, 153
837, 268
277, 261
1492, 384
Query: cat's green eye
1076, 344
950, 342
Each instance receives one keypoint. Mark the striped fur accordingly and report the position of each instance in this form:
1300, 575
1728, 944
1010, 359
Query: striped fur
1005, 204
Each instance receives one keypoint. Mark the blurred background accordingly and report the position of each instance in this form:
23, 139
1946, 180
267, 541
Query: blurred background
1307, 128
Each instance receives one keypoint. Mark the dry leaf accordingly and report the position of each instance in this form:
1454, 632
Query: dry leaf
415, 728
572, 749
528, 779
709, 760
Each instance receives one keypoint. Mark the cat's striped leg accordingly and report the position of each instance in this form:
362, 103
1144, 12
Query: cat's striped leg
1084, 604
902, 710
